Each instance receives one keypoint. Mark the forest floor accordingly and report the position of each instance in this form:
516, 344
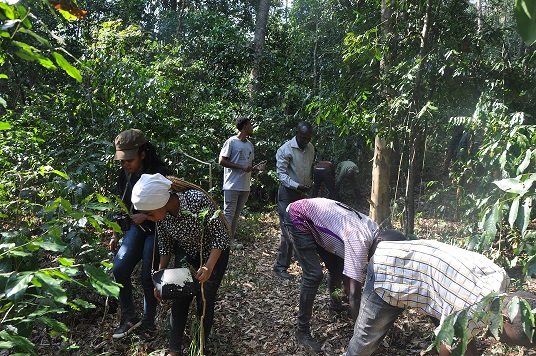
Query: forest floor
255, 314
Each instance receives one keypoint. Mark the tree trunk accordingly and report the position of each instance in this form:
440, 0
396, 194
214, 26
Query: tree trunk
418, 129
381, 168
381, 172
261, 22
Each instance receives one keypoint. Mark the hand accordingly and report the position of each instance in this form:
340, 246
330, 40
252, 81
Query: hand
157, 296
138, 218
303, 188
247, 168
112, 245
203, 274
260, 167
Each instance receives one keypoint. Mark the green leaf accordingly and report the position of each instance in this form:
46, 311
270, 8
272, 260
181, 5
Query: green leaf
524, 215
513, 185
460, 332
49, 246
5, 125
42, 40
102, 282
446, 333
512, 217
52, 287
530, 267
513, 308
54, 324
526, 161
17, 284
525, 14
67, 67
527, 319
66, 261
8, 10
21, 342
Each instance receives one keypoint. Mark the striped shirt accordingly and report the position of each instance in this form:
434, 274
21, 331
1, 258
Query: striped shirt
338, 229
436, 278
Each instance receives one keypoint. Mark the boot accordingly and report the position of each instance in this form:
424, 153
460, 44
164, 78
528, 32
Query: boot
307, 340
305, 313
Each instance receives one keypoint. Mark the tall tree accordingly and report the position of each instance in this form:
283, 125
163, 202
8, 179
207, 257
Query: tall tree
261, 21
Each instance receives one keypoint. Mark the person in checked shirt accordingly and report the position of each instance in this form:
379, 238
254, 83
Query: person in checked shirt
437, 279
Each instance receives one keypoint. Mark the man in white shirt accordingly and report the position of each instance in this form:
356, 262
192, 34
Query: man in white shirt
237, 157
294, 165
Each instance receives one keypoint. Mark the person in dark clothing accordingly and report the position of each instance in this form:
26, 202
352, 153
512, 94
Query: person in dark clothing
324, 178
137, 156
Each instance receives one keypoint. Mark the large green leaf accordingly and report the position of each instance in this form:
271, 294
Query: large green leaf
460, 331
514, 185
525, 14
17, 284
102, 282
67, 67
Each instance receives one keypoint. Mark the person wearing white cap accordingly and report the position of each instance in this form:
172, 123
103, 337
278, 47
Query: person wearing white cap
136, 156
186, 227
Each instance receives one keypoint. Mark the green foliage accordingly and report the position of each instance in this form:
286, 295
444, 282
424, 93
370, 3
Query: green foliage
525, 13
45, 253
453, 331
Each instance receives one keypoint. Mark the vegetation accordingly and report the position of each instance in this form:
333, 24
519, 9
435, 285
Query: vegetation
405, 74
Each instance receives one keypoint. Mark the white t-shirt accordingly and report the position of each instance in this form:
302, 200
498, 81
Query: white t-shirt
240, 153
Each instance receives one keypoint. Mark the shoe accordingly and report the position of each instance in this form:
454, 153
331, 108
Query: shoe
126, 328
146, 333
336, 306
283, 274
307, 340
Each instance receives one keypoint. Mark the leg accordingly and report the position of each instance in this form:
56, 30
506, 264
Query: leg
128, 256
305, 250
151, 257
335, 266
179, 312
240, 203
374, 320
210, 290
317, 182
230, 199
285, 197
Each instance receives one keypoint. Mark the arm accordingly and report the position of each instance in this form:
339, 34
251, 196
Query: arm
204, 272
224, 161
282, 166
354, 297
164, 261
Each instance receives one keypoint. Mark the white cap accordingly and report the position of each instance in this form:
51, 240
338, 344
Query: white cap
150, 192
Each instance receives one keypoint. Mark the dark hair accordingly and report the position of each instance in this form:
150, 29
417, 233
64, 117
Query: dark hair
386, 235
241, 122
151, 161
391, 235
305, 126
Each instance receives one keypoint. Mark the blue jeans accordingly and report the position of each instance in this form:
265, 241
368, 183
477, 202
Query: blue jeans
307, 252
374, 320
285, 196
233, 203
181, 306
137, 245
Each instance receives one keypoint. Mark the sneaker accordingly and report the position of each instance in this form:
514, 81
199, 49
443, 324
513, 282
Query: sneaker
146, 333
126, 328
307, 340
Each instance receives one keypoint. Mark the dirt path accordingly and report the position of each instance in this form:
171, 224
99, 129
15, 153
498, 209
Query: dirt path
255, 315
